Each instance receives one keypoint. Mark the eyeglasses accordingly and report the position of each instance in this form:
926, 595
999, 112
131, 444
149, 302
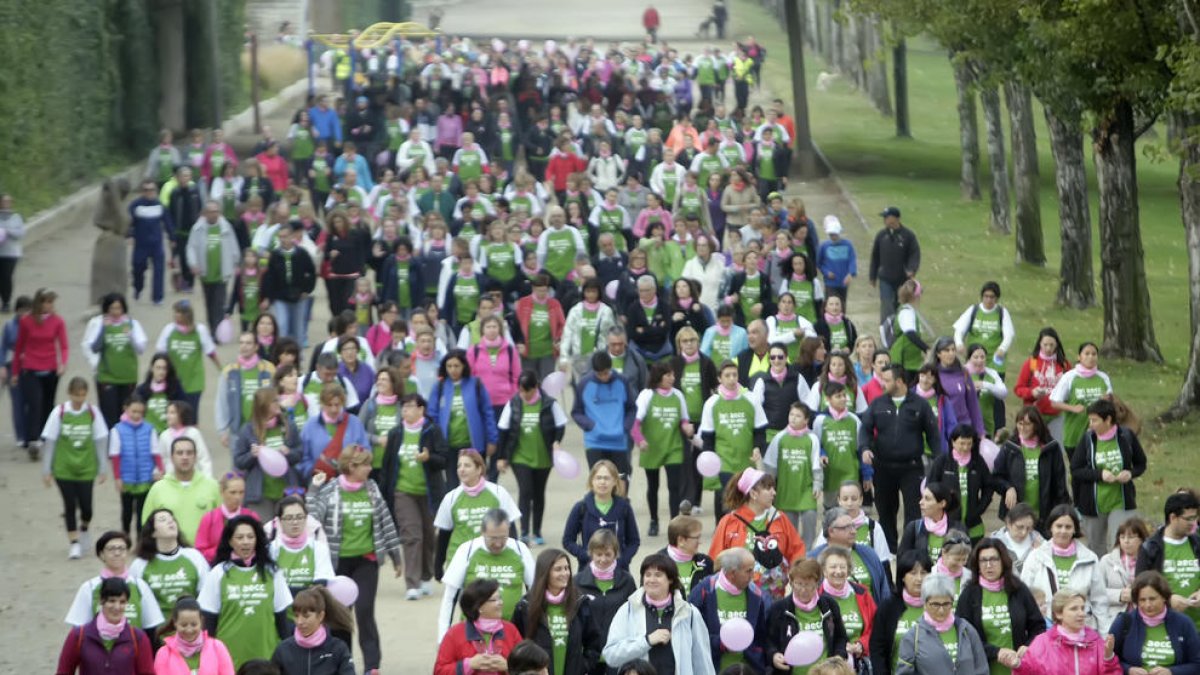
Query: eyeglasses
989, 561
116, 549
942, 604
292, 519
843, 528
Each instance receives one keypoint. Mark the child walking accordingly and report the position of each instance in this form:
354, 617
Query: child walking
133, 448
75, 440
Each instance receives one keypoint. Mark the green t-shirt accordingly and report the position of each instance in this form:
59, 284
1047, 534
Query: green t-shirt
411, 478
964, 491
686, 570
986, 328
1157, 650
460, 430
604, 507
908, 619
1062, 569
246, 620
612, 221
560, 628
690, 385
75, 449
1109, 496
186, 355
357, 533
297, 567
734, 427
320, 168
403, 289
156, 411
1033, 490
273, 486
560, 252
506, 569
501, 261
935, 545
660, 427
997, 626
170, 577
250, 385
851, 616
950, 641
859, 571
730, 607
587, 331
987, 402
793, 348
838, 339
133, 608
507, 149
803, 292
470, 164
212, 252
750, 295
722, 348
467, 515
251, 296
302, 144
118, 361
794, 484
1182, 571
809, 622
839, 441
540, 342
531, 445
387, 417
1083, 391
466, 298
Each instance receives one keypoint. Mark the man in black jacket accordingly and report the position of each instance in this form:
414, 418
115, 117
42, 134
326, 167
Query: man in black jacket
538, 142
289, 279
895, 430
895, 257
1174, 550
185, 202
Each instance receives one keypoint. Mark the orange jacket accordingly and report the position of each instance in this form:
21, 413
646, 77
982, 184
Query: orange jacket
675, 138
731, 532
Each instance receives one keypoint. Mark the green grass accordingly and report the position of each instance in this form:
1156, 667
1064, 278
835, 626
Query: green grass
959, 252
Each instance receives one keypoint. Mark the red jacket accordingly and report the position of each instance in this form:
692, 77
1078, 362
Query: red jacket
457, 645
872, 389
561, 166
208, 535
1038, 373
36, 341
525, 313
84, 652
650, 18
277, 170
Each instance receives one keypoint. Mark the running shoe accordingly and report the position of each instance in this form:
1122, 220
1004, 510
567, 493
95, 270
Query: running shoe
76, 551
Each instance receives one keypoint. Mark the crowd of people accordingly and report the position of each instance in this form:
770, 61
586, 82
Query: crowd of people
491, 223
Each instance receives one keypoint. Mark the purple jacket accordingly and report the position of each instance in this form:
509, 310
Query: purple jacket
449, 131
84, 652
962, 397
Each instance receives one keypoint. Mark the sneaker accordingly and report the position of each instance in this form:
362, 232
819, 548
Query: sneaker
537, 539
413, 594
426, 588
35, 451
653, 532
76, 551
697, 511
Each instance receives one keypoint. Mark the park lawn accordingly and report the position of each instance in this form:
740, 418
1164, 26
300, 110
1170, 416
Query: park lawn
920, 175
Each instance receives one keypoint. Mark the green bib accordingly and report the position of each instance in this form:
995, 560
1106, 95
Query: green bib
839, 440
411, 479
273, 486
560, 629
460, 430
1084, 391
186, 355
156, 411
997, 626
133, 608
75, 450
470, 165
794, 487
750, 295
320, 169
246, 621
859, 571
357, 518
691, 384
169, 578
297, 567
851, 616
466, 298
501, 261
403, 289
1062, 569
1157, 650
541, 343
587, 331
730, 607
734, 422
387, 417
118, 361
809, 622
531, 445
302, 143
212, 253
250, 385
1033, 492
722, 348
986, 329
560, 252
467, 515
1109, 496
908, 619
506, 569
660, 427
1182, 571
950, 642
805, 306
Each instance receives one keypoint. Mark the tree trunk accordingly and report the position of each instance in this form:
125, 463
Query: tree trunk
968, 131
837, 38
1030, 246
804, 160
854, 51
1076, 283
1189, 202
172, 65
1128, 326
810, 25
876, 67
900, 75
993, 120
827, 32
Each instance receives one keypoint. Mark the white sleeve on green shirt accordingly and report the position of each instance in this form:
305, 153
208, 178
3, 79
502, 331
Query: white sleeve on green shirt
210, 591
323, 563
505, 417
81, 607
90, 334
1062, 389
643, 404
560, 415
151, 613
771, 456
962, 326
283, 595
206, 340
506, 502
444, 519
453, 579
706, 415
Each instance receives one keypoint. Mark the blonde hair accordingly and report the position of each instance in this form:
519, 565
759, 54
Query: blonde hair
352, 456
330, 392
1061, 598
685, 332
833, 666
619, 488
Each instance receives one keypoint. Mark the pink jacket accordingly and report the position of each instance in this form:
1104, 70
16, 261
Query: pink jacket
379, 337
500, 380
1052, 654
214, 659
208, 536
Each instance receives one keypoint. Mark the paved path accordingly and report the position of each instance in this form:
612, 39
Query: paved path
32, 547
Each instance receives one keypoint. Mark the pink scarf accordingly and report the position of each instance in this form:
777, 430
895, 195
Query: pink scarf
289, 400
799, 277
556, 598
1029, 442
250, 271
785, 318
940, 568
424, 357
312, 641
158, 387
1155, 620
106, 573
330, 420
833, 320
926, 394
649, 305
1108, 435
840, 379
780, 376
109, 630
182, 328
1085, 372
937, 527
477, 489
686, 303
186, 648
349, 485
244, 562
1065, 552
266, 340
591, 306
910, 599
974, 369
493, 343
796, 432
295, 543
724, 330
959, 459
729, 395
663, 392
993, 586
859, 520
227, 514
1051, 357
380, 399
415, 426
248, 363
940, 626
726, 585
489, 626
845, 591
678, 555
805, 606
1130, 563
838, 415
1078, 637
692, 358
604, 573
530, 400
658, 604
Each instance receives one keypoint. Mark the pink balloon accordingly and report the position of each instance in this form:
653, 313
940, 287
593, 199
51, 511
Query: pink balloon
708, 464
343, 589
989, 450
804, 649
610, 290
272, 461
224, 333
566, 464
737, 634
554, 383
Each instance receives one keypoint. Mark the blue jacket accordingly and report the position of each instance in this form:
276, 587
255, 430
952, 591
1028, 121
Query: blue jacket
704, 598
881, 587
8, 339
360, 166
314, 437
839, 258
738, 341
137, 452
326, 123
605, 412
151, 220
585, 519
1130, 633
481, 419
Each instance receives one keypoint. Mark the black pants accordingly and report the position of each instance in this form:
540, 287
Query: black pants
194, 401
39, 388
618, 457
531, 496
112, 400
76, 496
691, 483
719, 497
339, 291
215, 296
365, 573
741, 91
179, 254
493, 471
673, 479
7, 267
891, 482
131, 509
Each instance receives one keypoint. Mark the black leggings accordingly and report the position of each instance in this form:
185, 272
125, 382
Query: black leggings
38, 387
112, 400
674, 472
131, 509
7, 267
365, 573
76, 496
531, 496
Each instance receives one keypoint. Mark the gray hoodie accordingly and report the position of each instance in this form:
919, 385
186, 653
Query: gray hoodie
13, 226
923, 653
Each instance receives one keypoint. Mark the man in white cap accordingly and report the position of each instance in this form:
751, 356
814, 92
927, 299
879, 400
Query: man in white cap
836, 260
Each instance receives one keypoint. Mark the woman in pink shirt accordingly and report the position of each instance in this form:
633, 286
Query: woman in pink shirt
39, 358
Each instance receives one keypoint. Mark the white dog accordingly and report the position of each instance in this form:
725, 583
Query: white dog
824, 80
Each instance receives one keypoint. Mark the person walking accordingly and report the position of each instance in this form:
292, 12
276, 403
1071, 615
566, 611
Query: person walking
895, 258
287, 284
604, 409
112, 342
151, 226
12, 231
108, 644
531, 426
76, 438
651, 21
39, 359
213, 255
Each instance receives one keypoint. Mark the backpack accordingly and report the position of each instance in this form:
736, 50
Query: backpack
887, 331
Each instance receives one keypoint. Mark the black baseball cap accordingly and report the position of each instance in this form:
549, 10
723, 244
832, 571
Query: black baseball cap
890, 211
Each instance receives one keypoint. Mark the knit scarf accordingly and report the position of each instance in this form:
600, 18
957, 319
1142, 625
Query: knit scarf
1083, 371
591, 306
843, 592
678, 555
475, 490
266, 340
724, 330
431, 356
726, 585
530, 400
833, 320
182, 328
686, 303
1154, 620
780, 376
109, 574
604, 573
250, 271
838, 414
349, 485
1031, 442
1064, 552
729, 395
937, 527
993, 586
289, 400
493, 343
910, 599
248, 362
649, 305
556, 598
1108, 435
227, 514
312, 641
380, 399
186, 648
488, 626
840, 379
109, 630
792, 431
805, 606
940, 626
785, 318
959, 459
799, 276
636, 272
663, 392
658, 604
415, 426
974, 369
158, 387
1077, 638
1049, 357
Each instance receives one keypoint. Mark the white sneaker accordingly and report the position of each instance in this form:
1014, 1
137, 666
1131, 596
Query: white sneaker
85, 540
427, 588
412, 594
76, 551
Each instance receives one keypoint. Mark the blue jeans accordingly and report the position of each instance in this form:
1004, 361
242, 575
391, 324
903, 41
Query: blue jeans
653, 356
887, 300
142, 257
292, 319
